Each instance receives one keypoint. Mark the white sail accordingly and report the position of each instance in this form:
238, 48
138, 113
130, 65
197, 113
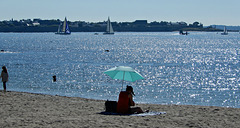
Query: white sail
59, 28
64, 25
109, 26
225, 32
109, 29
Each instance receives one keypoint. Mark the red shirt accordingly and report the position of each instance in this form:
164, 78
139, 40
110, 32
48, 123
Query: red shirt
123, 105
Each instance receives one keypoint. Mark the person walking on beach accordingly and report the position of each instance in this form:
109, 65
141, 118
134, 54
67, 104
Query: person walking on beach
4, 76
125, 101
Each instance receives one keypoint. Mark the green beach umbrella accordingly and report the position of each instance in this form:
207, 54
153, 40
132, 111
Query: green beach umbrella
124, 73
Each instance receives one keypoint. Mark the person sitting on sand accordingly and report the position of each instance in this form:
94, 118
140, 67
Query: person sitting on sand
125, 101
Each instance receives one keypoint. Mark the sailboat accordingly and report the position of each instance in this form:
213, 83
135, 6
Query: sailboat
63, 29
225, 32
109, 30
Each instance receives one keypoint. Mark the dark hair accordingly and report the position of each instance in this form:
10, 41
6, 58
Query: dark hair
129, 88
4, 69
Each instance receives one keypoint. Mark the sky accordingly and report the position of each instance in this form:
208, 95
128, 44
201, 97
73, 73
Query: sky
207, 12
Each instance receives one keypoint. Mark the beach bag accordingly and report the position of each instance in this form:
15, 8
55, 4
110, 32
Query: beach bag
111, 106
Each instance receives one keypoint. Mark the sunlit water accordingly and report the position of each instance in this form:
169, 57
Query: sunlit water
199, 69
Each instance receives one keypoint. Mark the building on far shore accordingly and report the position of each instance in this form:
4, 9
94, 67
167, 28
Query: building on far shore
140, 22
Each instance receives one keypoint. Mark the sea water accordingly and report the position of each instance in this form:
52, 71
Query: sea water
201, 68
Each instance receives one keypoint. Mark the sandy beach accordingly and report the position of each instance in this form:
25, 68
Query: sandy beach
18, 109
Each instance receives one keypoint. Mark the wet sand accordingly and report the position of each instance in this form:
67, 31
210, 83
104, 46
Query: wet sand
18, 109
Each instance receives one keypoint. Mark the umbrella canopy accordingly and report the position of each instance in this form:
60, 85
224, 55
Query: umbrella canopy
124, 73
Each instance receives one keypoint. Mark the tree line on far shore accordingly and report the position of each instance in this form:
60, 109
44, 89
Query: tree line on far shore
39, 25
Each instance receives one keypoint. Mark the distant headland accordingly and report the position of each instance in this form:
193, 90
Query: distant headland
39, 25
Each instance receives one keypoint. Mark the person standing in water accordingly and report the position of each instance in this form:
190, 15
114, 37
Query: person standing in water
4, 76
54, 78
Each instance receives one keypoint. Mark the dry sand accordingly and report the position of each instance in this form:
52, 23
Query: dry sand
19, 109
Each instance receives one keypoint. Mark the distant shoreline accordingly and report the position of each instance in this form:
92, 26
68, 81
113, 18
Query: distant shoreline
39, 25
189, 30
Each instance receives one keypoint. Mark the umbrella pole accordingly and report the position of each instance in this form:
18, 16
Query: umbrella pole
123, 79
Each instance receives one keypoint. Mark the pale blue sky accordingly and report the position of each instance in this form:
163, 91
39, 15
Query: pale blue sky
207, 12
